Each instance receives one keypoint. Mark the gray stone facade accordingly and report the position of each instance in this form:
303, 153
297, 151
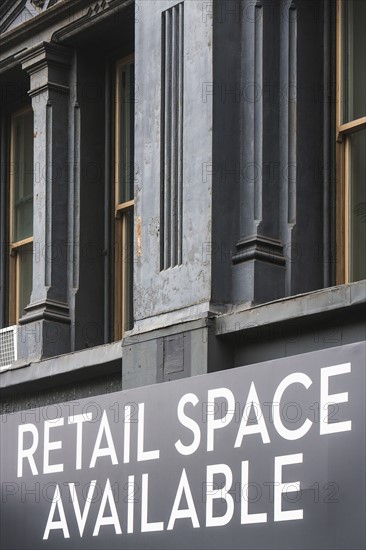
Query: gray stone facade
235, 247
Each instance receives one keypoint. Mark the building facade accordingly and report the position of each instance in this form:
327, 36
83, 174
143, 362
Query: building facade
182, 189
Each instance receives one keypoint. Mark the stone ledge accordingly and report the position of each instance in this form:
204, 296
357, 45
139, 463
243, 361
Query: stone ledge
286, 309
88, 362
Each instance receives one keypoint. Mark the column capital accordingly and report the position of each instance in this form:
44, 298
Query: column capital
48, 66
41, 55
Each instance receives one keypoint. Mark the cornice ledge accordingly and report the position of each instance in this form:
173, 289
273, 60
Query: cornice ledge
41, 21
94, 13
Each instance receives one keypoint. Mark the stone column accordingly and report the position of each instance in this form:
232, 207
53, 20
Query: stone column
45, 328
258, 261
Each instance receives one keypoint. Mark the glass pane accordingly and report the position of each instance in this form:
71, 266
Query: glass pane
25, 260
126, 108
128, 259
22, 172
357, 232
353, 59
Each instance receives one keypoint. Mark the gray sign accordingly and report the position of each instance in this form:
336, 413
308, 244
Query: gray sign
265, 456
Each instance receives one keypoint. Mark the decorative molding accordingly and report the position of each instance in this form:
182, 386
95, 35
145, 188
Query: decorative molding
288, 133
172, 137
43, 5
260, 248
9, 62
49, 195
7, 6
39, 55
252, 120
53, 86
34, 25
258, 112
76, 196
292, 115
53, 62
27, 10
10, 11
99, 9
99, 6
49, 310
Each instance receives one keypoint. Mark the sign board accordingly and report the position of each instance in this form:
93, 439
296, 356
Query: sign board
265, 456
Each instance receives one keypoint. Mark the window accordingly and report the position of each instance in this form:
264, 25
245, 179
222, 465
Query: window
21, 212
351, 139
124, 196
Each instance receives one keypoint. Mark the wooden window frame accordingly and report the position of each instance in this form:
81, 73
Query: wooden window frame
122, 254
343, 131
16, 247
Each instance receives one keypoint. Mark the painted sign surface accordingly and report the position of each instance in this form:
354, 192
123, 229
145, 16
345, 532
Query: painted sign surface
265, 456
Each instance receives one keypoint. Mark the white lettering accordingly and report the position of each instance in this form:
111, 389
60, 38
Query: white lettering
327, 400
51, 446
59, 524
27, 453
107, 520
82, 517
188, 423
130, 503
294, 378
212, 423
284, 488
127, 434
104, 428
141, 454
190, 511
245, 516
79, 419
211, 520
147, 527
260, 427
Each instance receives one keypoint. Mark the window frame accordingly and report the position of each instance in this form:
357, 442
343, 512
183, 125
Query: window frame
123, 295
16, 248
343, 132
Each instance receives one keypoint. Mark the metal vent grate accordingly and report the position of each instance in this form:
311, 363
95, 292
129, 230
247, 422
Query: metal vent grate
8, 348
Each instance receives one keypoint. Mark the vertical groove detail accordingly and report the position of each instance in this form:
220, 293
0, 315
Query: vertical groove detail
76, 197
288, 123
48, 192
174, 138
180, 139
292, 122
258, 113
171, 137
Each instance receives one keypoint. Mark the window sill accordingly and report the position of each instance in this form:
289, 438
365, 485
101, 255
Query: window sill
244, 317
91, 362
